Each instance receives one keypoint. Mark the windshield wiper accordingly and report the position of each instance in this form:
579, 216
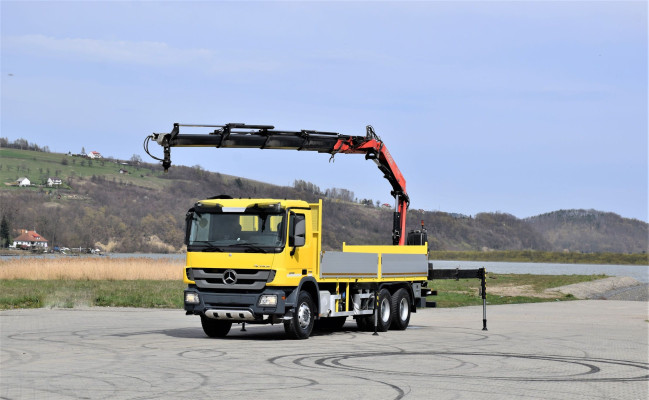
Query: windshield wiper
209, 247
213, 250
250, 247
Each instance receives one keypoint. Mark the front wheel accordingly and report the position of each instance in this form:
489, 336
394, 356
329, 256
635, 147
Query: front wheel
215, 328
301, 324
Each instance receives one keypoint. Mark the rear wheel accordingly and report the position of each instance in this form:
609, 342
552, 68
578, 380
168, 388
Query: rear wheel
385, 311
366, 322
301, 324
400, 310
215, 328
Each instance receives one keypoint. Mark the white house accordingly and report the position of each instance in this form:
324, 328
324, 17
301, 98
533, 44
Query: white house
54, 181
23, 181
30, 239
94, 154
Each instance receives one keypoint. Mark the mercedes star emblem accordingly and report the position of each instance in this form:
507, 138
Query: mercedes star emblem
230, 277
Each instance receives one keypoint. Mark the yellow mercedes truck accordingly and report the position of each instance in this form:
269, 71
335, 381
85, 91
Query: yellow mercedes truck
260, 261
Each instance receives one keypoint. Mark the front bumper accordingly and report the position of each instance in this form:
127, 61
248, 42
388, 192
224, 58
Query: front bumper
235, 306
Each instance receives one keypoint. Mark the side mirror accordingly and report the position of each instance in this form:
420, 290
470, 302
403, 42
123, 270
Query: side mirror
297, 236
189, 217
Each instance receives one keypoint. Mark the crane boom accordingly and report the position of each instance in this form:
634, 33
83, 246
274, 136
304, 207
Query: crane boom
238, 135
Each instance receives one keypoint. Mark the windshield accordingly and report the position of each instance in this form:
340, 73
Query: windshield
236, 232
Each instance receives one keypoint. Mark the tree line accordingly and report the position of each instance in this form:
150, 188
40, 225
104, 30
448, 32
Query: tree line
22, 144
102, 210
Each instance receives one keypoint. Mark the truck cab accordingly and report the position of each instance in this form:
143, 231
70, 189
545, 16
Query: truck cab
248, 258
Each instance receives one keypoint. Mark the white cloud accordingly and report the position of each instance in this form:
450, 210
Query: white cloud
140, 53
121, 51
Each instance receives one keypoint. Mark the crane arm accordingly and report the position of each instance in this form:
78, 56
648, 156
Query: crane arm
237, 135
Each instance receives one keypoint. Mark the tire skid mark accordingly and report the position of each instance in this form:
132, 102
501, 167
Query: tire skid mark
114, 383
202, 353
591, 368
181, 392
594, 367
73, 392
18, 357
401, 393
299, 361
470, 332
462, 364
112, 359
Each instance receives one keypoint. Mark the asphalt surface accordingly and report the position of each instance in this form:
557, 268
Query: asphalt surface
613, 288
564, 350
631, 293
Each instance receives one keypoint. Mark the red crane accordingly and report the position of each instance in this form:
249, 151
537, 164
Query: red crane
237, 135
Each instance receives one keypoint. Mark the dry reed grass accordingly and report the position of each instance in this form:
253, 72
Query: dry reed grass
92, 268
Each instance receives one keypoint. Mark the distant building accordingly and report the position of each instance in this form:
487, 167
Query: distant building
54, 181
23, 181
30, 239
94, 154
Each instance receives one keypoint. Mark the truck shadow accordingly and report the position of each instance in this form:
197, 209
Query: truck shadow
256, 332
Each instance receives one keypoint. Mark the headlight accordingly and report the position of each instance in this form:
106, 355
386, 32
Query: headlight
268, 300
192, 298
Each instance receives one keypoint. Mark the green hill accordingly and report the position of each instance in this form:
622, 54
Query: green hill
591, 231
140, 208
37, 166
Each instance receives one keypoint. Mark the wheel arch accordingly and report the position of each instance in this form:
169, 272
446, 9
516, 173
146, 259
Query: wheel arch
309, 285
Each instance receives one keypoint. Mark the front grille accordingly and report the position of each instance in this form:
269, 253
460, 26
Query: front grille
247, 279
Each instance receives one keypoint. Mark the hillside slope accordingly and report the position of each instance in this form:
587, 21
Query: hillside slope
591, 231
143, 209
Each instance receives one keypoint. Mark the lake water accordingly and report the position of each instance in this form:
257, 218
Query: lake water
147, 255
109, 255
639, 272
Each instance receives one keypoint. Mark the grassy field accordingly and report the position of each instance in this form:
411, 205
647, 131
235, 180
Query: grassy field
505, 289
543, 257
23, 293
38, 166
144, 282
90, 281
92, 268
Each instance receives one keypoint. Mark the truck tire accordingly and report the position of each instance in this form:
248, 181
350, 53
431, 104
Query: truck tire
215, 328
400, 310
301, 324
385, 311
366, 322
329, 324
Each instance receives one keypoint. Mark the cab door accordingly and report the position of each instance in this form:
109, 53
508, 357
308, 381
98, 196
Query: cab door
301, 249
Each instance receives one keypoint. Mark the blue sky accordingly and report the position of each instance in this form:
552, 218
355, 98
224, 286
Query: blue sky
518, 107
